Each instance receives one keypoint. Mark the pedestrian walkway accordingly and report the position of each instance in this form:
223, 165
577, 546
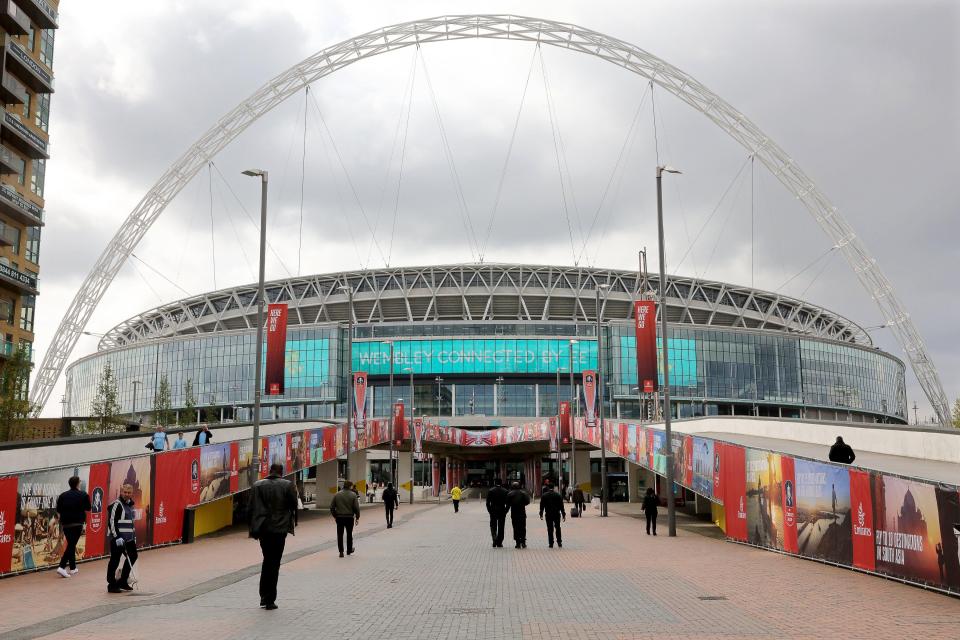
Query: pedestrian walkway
435, 575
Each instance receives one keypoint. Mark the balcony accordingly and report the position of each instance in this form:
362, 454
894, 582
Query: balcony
12, 90
19, 136
40, 12
9, 163
13, 18
8, 238
33, 74
19, 208
17, 279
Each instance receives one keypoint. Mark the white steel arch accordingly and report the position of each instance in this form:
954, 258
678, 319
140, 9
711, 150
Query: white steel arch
497, 27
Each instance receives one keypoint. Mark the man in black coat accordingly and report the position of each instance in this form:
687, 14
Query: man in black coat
551, 502
72, 507
273, 512
517, 500
391, 501
842, 452
497, 508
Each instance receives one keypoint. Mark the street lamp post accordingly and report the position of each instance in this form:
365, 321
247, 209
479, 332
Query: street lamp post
350, 392
671, 506
255, 466
412, 410
573, 440
439, 382
559, 455
392, 416
600, 381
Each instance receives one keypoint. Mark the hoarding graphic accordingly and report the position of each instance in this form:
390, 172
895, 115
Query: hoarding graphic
276, 349
645, 337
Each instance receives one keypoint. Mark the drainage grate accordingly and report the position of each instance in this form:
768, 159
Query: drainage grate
460, 611
711, 597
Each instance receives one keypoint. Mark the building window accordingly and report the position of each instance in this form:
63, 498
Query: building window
21, 165
38, 175
13, 235
26, 312
42, 114
31, 38
8, 307
27, 347
46, 47
32, 250
26, 106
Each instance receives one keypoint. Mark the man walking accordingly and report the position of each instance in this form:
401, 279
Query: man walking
551, 502
497, 508
518, 500
455, 495
345, 508
273, 513
202, 436
179, 443
842, 452
159, 439
579, 501
122, 539
72, 507
391, 501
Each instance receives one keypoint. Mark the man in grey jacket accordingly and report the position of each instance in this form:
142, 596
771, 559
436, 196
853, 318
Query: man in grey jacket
345, 508
273, 514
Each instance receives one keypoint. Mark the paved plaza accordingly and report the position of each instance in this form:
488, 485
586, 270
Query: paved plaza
435, 575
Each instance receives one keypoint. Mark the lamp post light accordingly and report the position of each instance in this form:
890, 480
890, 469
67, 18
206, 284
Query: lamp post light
559, 455
573, 440
350, 399
412, 410
392, 416
671, 506
255, 466
603, 431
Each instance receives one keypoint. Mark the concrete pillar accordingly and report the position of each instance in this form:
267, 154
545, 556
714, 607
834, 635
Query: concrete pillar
448, 473
635, 473
326, 483
404, 474
358, 469
582, 464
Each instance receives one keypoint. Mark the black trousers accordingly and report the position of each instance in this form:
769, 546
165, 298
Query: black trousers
497, 526
345, 524
389, 513
72, 534
519, 528
652, 520
116, 555
456, 506
553, 524
581, 506
271, 544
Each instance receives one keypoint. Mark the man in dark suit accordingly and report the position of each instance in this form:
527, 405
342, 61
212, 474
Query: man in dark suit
390, 502
551, 502
518, 500
497, 508
273, 514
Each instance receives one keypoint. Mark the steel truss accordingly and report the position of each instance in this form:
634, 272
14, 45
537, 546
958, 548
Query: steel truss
495, 27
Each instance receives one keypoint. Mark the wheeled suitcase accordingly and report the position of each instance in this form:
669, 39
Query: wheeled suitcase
574, 513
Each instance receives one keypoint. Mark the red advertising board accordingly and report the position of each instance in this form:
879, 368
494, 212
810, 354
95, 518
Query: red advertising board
234, 467
735, 491
290, 465
590, 397
177, 486
645, 324
861, 516
97, 487
564, 422
650, 447
648, 386
276, 348
8, 520
688, 461
330, 443
718, 469
789, 501
396, 431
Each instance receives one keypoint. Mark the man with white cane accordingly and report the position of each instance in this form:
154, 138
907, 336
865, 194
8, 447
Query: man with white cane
122, 539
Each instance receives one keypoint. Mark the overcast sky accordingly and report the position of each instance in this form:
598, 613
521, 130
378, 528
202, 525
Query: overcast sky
863, 95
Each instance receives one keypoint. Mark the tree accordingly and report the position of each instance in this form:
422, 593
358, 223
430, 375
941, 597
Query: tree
956, 414
15, 408
162, 412
106, 407
189, 402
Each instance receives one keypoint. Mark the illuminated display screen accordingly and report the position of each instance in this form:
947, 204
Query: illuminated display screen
683, 361
475, 355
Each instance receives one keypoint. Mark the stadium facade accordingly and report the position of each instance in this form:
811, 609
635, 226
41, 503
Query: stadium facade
488, 343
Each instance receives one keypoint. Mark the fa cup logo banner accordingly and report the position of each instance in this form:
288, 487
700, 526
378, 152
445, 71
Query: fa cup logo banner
590, 397
360, 396
418, 436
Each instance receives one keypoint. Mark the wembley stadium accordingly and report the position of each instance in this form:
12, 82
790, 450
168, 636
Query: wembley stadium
485, 343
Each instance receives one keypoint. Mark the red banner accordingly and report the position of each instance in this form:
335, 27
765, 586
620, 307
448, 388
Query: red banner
98, 489
177, 486
289, 465
861, 516
276, 348
645, 324
554, 433
330, 441
650, 448
735, 494
234, 467
719, 468
688, 461
8, 520
565, 422
590, 397
788, 499
359, 397
396, 430
418, 436
264, 457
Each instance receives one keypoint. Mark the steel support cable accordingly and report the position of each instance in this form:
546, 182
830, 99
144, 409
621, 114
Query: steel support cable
349, 179
158, 272
556, 151
303, 173
403, 157
826, 263
567, 36
136, 270
615, 172
213, 231
716, 208
806, 268
723, 227
236, 234
246, 213
506, 160
451, 164
191, 227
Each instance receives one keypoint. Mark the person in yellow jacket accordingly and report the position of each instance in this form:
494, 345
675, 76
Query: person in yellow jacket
455, 494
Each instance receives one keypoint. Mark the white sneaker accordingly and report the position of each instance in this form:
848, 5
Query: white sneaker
63, 572
74, 572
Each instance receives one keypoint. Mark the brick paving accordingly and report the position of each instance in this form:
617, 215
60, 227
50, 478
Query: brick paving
435, 576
